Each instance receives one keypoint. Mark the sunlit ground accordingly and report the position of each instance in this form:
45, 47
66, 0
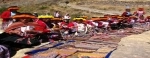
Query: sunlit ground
1, 26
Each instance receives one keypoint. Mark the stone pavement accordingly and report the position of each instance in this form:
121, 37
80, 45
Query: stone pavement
134, 46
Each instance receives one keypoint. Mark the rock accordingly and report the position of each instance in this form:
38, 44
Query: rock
66, 52
104, 50
91, 55
134, 46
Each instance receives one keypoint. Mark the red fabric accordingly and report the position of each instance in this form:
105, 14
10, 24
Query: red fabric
147, 19
100, 24
41, 26
136, 13
129, 20
124, 14
14, 26
71, 24
63, 24
26, 56
112, 20
89, 22
142, 21
46, 31
5, 15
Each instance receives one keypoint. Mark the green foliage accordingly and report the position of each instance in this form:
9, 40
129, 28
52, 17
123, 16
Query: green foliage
76, 15
104, 9
2, 9
74, 0
43, 7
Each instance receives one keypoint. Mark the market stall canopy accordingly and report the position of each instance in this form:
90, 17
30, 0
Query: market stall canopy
79, 19
46, 16
120, 17
107, 15
13, 8
57, 19
148, 17
103, 18
114, 16
95, 18
23, 15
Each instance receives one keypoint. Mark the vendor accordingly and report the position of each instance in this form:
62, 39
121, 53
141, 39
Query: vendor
49, 28
6, 15
127, 12
140, 14
20, 34
67, 18
81, 26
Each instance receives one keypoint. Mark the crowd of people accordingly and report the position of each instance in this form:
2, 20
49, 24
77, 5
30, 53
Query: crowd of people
27, 30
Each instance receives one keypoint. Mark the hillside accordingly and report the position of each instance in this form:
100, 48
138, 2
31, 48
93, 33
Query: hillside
77, 7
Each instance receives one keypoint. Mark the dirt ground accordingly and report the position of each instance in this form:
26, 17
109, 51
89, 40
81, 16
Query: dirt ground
134, 46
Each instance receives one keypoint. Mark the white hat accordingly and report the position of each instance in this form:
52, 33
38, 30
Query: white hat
35, 12
127, 7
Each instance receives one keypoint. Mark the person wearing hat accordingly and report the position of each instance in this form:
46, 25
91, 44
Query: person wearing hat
81, 27
147, 20
49, 28
64, 26
140, 14
68, 28
22, 33
6, 15
43, 27
57, 14
67, 18
35, 14
91, 24
127, 12
113, 24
